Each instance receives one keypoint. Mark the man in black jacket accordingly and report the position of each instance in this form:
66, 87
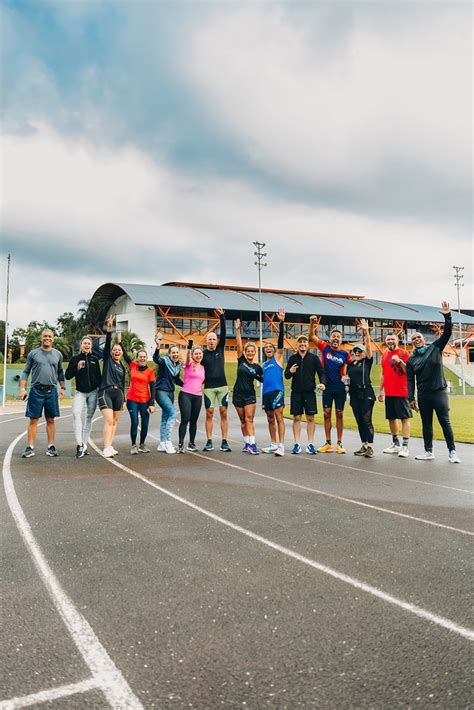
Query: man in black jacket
86, 369
425, 368
302, 367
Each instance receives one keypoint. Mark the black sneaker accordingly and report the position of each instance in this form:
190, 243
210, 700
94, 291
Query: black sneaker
80, 452
28, 452
369, 453
225, 446
360, 452
209, 446
51, 451
192, 447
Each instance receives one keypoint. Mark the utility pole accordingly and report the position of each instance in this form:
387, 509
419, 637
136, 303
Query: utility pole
5, 346
260, 264
458, 277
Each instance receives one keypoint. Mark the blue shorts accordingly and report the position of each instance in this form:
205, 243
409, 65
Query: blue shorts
273, 400
38, 401
336, 395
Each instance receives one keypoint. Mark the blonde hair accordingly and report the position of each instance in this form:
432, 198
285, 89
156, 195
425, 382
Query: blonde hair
250, 344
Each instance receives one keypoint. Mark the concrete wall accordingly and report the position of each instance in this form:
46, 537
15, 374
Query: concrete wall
139, 319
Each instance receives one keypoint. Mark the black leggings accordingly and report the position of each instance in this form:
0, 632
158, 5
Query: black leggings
189, 407
438, 402
135, 409
362, 409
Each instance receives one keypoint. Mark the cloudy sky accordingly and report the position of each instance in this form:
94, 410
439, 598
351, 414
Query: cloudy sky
154, 141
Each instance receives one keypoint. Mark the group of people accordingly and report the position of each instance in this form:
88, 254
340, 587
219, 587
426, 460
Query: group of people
340, 373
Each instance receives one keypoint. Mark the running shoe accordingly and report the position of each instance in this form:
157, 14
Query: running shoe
225, 446
252, 449
85, 451
142, 449
209, 446
180, 448
369, 453
403, 453
340, 449
161, 446
425, 456
360, 452
245, 447
280, 450
192, 447
134, 449
80, 452
114, 450
392, 449
269, 449
296, 449
28, 452
453, 457
311, 450
51, 450
108, 452
169, 448
326, 449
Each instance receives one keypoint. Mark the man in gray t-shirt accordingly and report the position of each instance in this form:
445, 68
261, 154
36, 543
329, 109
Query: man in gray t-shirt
45, 364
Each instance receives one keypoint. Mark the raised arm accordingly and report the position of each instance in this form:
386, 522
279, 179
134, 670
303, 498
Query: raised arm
364, 328
280, 352
157, 355
448, 327
188, 351
238, 337
313, 326
223, 332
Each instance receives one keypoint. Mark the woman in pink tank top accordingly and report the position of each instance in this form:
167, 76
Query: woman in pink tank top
190, 397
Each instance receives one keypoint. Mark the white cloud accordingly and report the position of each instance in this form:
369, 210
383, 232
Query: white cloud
342, 105
93, 215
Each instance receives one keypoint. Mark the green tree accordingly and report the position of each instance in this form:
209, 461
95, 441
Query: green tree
131, 342
91, 315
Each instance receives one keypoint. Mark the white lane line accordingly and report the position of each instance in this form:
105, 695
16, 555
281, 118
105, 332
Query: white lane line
336, 497
319, 459
44, 696
104, 672
333, 495
314, 459
352, 581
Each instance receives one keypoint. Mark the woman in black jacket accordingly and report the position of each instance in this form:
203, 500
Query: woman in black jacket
85, 368
361, 392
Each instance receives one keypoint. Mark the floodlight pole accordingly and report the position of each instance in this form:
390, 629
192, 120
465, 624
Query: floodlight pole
259, 264
5, 345
458, 277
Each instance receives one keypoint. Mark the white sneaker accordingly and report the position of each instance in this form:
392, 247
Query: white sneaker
169, 448
114, 450
425, 456
392, 449
161, 446
108, 452
269, 449
453, 457
403, 453
280, 450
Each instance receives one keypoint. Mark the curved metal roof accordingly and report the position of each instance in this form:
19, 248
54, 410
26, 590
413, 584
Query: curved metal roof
207, 298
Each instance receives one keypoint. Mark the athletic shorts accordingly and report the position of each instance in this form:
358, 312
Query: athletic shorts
273, 400
42, 401
338, 396
397, 408
111, 398
216, 395
303, 403
241, 401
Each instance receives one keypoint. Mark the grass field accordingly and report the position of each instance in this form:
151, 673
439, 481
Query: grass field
462, 408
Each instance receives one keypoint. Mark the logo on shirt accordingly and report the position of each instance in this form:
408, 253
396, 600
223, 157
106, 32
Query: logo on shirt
337, 358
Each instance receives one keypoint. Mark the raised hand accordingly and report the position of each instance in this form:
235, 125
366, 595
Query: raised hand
445, 307
219, 311
281, 314
110, 323
363, 325
237, 324
158, 337
313, 319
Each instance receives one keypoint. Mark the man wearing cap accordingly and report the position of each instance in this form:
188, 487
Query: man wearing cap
301, 368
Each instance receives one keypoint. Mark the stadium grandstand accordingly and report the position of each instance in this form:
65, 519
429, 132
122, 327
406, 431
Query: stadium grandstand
186, 310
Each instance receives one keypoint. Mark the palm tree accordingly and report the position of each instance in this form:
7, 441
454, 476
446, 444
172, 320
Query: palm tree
91, 314
131, 342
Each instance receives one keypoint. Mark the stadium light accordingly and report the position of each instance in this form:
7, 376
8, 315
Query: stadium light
458, 277
260, 264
